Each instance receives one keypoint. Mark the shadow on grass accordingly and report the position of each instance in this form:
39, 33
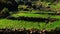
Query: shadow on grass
39, 19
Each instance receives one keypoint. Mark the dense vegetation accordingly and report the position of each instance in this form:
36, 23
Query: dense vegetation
30, 14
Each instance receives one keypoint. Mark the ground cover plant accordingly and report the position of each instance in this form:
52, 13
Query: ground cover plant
28, 25
30, 16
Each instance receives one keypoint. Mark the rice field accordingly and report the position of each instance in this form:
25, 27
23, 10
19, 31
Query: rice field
29, 15
36, 15
5, 23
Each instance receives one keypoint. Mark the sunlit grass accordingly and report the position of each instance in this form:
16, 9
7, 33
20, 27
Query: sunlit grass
55, 16
53, 25
5, 23
36, 15
30, 15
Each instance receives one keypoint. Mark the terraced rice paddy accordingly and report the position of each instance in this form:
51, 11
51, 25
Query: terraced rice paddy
36, 15
6, 23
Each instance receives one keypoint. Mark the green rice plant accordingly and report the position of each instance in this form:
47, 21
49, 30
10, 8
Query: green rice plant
53, 25
55, 16
5, 23
30, 15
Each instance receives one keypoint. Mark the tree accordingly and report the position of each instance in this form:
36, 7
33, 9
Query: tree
10, 4
4, 13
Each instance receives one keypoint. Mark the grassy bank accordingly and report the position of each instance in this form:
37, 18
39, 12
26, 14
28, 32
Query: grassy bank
36, 15
5, 23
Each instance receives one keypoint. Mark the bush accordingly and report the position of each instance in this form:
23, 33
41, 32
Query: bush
4, 13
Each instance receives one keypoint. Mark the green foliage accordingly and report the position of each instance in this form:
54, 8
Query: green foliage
5, 23
5, 10
49, 0
56, 7
53, 25
30, 15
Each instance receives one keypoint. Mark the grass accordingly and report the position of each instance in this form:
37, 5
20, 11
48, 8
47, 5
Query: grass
49, 26
56, 16
36, 15
30, 15
53, 25
5, 23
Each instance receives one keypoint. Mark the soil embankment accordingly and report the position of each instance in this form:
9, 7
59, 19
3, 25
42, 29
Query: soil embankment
31, 31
